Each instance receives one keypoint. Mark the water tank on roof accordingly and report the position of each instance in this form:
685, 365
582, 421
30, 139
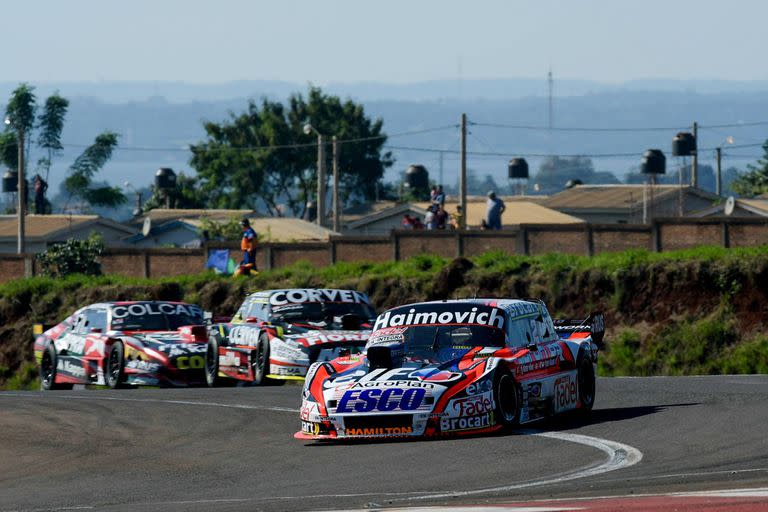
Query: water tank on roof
654, 162
417, 177
10, 181
518, 169
165, 178
683, 144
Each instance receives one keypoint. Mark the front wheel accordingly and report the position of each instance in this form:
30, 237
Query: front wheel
587, 384
115, 365
260, 363
507, 398
212, 363
48, 371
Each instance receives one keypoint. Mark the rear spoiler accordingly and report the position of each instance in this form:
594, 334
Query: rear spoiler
594, 324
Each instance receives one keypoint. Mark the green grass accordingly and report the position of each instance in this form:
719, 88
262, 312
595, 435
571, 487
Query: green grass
653, 329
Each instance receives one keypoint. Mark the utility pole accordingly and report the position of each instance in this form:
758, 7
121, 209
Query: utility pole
320, 179
336, 208
22, 191
463, 175
718, 175
551, 114
441, 170
695, 163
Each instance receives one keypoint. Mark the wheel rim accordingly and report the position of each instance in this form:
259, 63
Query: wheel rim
507, 398
114, 366
587, 384
46, 369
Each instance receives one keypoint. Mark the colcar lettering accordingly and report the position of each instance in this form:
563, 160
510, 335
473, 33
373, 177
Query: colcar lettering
190, 362
162, 308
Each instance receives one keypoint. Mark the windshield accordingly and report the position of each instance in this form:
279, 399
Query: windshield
431, 339
324, 314
162, 316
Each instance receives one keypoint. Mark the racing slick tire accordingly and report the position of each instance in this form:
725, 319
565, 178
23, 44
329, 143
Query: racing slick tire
212, 363
48, 371
507, 398
587, 383
260, 363
115, 366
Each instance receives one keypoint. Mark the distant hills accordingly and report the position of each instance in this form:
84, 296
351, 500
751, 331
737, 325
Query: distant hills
158, 120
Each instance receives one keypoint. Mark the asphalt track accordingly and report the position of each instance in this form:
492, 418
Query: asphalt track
232, 449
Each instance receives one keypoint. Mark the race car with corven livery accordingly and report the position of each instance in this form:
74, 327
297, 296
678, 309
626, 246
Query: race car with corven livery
124, 344
454, 367
276, 334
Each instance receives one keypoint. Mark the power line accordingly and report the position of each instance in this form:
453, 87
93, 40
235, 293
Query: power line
579, 129
277, 146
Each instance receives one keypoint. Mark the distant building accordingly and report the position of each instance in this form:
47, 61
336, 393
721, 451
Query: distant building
624, 204
742, 208
186, 231
42, 231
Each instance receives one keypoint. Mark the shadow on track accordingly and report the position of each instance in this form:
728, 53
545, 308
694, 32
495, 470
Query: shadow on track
566, 421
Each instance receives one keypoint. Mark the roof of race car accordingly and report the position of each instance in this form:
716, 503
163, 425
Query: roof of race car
513, 307
126, 302
329, 293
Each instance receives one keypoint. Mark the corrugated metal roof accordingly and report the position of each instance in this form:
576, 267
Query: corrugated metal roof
282, 229
517, 212
608, 197
164, 214
43, 225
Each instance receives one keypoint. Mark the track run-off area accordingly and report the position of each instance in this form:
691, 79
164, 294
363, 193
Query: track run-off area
233, 449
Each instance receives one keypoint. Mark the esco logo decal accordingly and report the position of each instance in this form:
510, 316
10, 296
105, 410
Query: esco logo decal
190, 362
384, 400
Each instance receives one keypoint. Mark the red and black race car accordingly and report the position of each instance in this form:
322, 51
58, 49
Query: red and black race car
125, 344
454, 367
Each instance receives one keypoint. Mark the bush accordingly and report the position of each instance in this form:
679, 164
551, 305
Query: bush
73, 257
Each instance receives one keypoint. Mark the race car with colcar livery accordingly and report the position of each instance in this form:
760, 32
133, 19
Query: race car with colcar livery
454, 367
124, 344
276, 334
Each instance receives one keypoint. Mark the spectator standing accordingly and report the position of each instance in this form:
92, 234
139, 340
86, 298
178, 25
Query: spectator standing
439, 197
407, 222
40, 187
494, 208
455, 220
248, 246
441, 216
429, 218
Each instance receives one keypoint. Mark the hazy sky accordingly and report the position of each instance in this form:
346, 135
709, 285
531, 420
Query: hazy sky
324, 41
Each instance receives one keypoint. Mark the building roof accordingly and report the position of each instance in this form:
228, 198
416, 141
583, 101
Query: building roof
158, 215
757, 207
614, 197
55, 227
517, 212
282, 229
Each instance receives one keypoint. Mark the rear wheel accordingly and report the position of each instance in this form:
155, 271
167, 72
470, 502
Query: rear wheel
507, 398
115, 365
587, 385
48, 371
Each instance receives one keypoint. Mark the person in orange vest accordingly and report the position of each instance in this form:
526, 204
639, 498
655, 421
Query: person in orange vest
248, 246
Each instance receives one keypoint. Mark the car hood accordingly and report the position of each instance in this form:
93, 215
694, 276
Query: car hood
312, 337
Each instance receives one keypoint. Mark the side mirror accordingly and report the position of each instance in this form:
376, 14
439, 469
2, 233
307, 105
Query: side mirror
251, 320
95, 330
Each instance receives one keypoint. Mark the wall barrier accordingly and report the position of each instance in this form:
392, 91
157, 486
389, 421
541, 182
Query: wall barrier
529, 239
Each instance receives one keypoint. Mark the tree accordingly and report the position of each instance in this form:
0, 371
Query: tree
754, 181
264, 155
51, 123
21, 111
79, 182
555, 172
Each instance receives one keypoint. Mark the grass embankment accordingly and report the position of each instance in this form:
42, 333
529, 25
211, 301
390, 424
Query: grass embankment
689, 312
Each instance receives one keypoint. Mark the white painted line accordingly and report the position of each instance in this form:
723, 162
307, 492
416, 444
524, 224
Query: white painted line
620, 456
